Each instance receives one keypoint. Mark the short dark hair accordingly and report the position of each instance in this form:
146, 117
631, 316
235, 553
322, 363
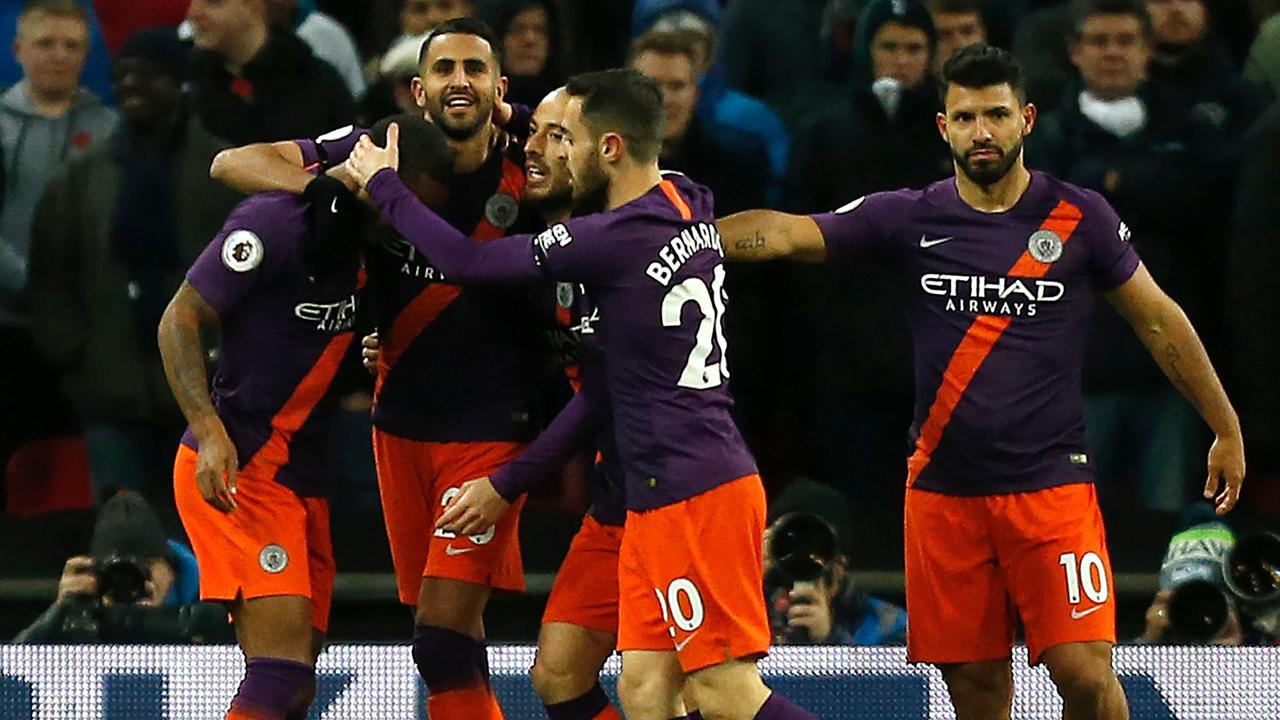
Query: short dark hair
464, 26
424, 150
1082, 10
624, 101
981, 65
955, 6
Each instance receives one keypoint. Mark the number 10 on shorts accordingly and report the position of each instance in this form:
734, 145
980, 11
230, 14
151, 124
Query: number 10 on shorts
1087, 573
681, 594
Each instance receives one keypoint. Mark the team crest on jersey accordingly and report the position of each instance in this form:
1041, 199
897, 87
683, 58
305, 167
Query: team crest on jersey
1045, 246
850, 206
501, 210
273, 559
242, 251
564, 295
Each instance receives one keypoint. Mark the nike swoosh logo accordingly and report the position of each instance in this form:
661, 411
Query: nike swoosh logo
451, 550
333, 208
1077, 614
925, 242
680, 645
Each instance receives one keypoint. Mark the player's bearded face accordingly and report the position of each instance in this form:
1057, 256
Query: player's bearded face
986, 162
459, 84
590, 183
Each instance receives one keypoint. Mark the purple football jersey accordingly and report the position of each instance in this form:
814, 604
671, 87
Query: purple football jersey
999, 306
284, 333
459, 365
655, 270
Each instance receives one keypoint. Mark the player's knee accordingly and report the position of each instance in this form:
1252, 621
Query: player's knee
985, 684
1081, 676
647, 694
556, 679
726, 690
447, 660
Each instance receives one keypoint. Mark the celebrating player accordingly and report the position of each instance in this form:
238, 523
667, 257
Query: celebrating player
1001, 266
690, 565
247, 478
456, 394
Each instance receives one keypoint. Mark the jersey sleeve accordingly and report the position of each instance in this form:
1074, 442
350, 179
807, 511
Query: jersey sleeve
862, 229
515, 259
1112, 257
243, 256
582, 417
330, 148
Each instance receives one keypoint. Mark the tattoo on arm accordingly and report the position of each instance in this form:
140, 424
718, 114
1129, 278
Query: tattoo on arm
184, 363
752, 243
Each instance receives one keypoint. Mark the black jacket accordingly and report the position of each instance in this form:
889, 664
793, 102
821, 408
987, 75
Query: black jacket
283, 92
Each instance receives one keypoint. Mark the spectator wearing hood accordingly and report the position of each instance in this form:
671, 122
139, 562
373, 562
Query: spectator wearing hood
252, 83
112, 238
881, 135
718, 104
528, 32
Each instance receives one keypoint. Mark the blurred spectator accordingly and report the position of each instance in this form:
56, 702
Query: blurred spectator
1133, 142
414, 23
418, 17
96, 76
46, 120
1253, 297
392, 92
120, 20
135, 586
532, 55
879, 134
723, 159
770, 50
112, 238
1193, 605
1191, 60
1262, 67
811, 596
718, 105
328, 39
254, 84
959, 24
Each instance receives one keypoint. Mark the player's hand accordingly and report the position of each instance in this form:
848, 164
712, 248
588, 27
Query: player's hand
216, 466
77, 579
1226, 472
1157, 618
475, 509
367, 159
370, 352
811, 610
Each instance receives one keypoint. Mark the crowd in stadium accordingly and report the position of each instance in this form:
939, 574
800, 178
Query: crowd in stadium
115, 154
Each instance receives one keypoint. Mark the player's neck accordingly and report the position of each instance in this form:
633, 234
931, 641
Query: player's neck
470, 154
999, 196
631, 183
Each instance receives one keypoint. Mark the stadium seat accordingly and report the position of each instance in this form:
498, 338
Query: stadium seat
48, 475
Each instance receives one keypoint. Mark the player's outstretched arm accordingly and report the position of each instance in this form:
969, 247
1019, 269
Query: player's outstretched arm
182, 353
483, 501
758, 235
262, 167
1173, 342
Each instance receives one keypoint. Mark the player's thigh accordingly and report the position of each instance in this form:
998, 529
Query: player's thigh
569, 660
276, 627
452, 604
731, 690
1053, 553
958, 608
1079, 665
650, 685
585, 593
491, 557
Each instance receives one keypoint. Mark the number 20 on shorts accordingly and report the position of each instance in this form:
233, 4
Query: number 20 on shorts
681, 594
1088, 574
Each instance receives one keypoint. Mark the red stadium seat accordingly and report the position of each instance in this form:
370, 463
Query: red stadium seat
48, 475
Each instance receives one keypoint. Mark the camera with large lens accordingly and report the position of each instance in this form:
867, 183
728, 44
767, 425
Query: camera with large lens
1252, 573
804, 548
121, 578
1199, 605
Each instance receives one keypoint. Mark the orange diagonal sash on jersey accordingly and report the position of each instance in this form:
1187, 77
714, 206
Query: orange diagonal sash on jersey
977, 344
427, 306
673, 194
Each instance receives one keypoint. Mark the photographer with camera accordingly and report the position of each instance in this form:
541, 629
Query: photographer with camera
809, 590
135, 586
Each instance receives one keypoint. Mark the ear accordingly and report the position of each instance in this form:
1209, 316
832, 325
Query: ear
612, 147
501, 88
941, 120
1029, 115
419, 93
